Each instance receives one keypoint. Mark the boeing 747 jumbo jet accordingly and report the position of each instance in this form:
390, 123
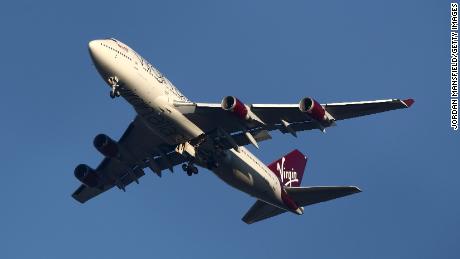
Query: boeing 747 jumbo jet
169, 129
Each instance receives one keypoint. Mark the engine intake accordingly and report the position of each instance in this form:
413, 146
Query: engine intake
107, 146
314, 109
241, 110
232, 104
87, 175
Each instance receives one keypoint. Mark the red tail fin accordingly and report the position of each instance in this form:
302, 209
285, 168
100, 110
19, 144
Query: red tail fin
290, 168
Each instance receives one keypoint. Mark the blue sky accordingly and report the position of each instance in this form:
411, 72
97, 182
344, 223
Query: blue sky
53, 103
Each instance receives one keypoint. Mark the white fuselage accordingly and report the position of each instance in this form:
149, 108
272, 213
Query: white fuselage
152, 95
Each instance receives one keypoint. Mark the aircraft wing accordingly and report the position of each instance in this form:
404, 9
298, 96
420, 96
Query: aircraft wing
145, 150
342, 111
286, 118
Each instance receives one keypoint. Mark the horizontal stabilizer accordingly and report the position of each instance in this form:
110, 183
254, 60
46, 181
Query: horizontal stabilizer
305, 196
261, 210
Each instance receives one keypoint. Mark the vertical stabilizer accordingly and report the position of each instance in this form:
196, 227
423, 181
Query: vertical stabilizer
290, 168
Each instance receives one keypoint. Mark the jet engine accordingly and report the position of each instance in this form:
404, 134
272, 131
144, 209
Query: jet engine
232, 104
87, 175
313, 109
237, 107
107, 146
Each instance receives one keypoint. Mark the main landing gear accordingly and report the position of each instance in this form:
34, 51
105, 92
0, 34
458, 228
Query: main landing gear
113, 81
190, 169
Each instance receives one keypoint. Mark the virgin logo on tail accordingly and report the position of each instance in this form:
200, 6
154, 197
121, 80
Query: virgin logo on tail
289, 168
286, 177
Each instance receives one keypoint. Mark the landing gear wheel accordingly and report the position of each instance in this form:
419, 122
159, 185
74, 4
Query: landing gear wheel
190, 169
113, 82
114, 93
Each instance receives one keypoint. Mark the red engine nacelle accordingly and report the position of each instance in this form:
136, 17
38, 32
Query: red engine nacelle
314, 109
107, 146
232, 104
87, 175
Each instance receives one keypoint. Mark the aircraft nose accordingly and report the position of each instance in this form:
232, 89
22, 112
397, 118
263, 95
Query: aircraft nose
93, 47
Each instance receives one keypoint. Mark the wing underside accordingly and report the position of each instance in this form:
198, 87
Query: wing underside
145, 149
286, 118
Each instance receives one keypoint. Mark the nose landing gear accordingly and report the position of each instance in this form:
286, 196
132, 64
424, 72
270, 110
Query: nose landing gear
190, 169
114, 93
113, 81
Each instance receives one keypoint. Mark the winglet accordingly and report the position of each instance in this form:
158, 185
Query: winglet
356, 189
408, 102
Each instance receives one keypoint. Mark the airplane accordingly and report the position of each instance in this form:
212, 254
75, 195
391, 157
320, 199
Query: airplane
169, 130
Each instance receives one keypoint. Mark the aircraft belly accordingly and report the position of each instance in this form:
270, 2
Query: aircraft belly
151, 99
239, 174
160, 117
